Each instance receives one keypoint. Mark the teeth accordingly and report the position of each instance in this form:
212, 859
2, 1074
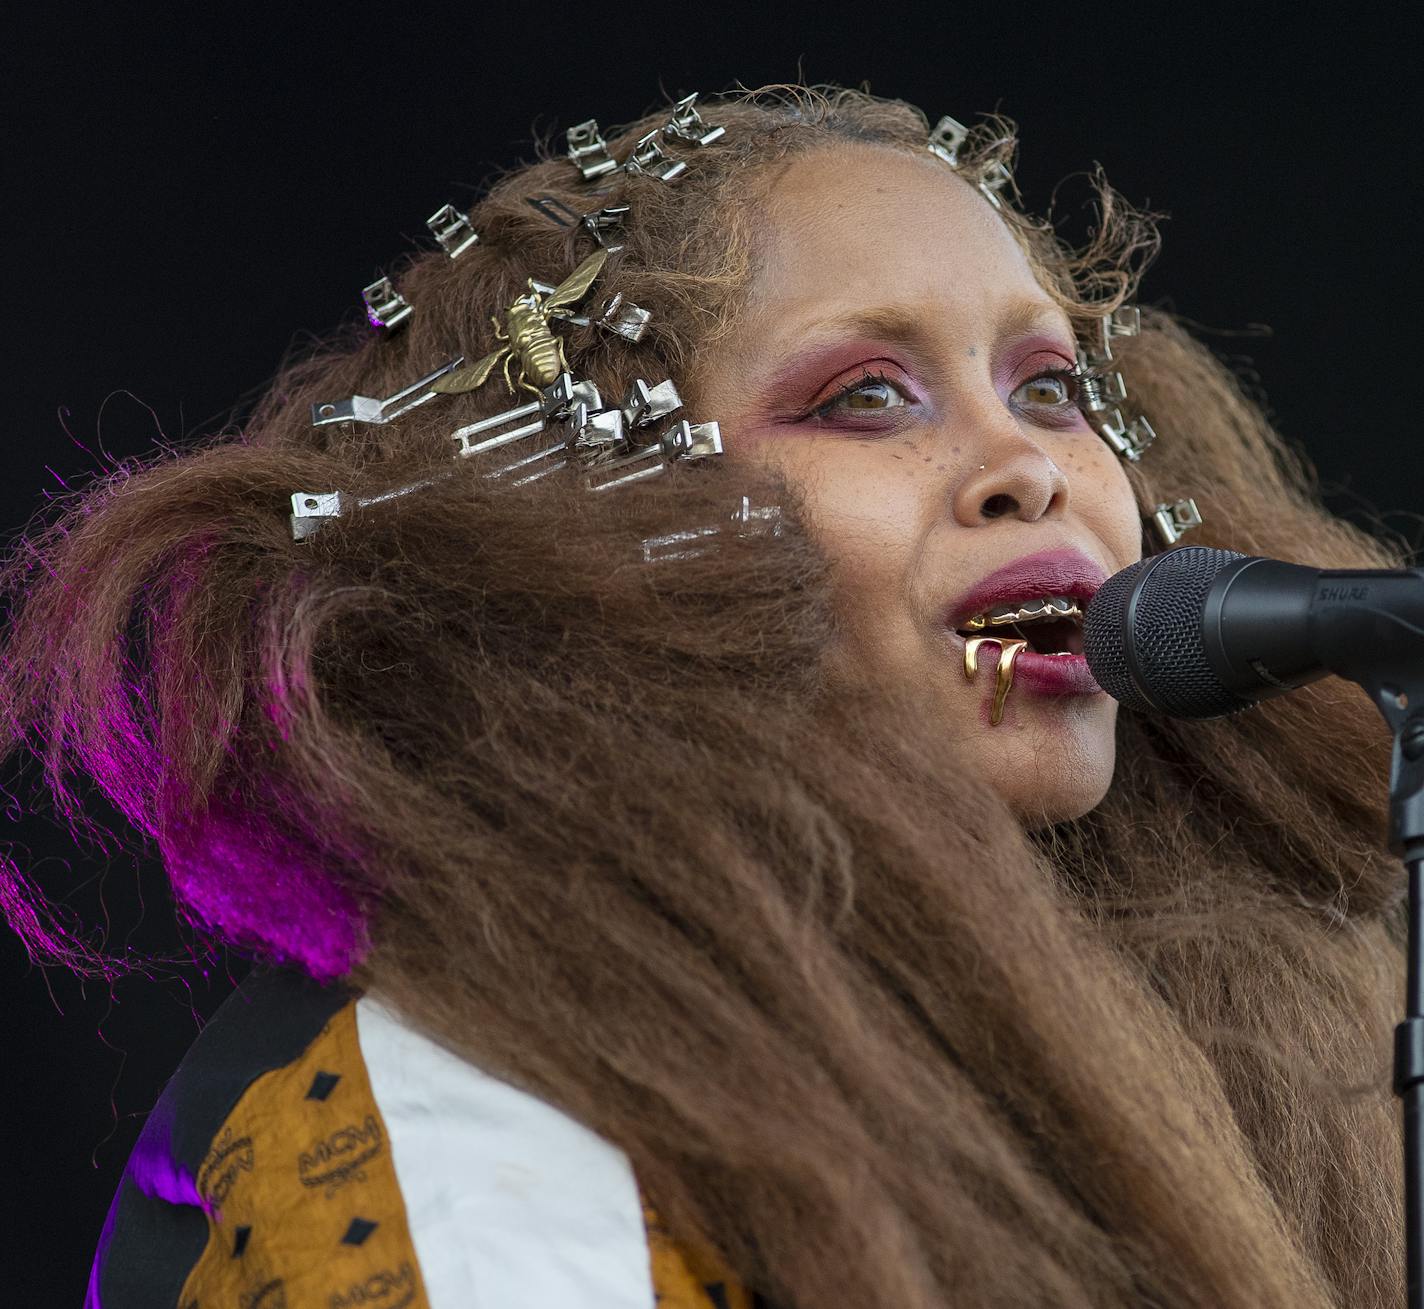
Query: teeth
1040, 609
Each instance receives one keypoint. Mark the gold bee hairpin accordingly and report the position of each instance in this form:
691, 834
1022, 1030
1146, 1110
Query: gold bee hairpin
529, 340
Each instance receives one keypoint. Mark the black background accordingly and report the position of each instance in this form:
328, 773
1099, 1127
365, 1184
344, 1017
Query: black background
191, 195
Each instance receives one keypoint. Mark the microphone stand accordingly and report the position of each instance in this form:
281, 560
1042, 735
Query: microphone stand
1367, 626
1401, 701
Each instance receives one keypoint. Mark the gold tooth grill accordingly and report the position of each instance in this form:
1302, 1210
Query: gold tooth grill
1036, 611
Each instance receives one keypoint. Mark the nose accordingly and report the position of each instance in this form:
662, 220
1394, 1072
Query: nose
1017, 478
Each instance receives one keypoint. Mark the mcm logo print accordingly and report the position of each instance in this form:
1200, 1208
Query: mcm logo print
229, 1157
342, 1156
388, 1289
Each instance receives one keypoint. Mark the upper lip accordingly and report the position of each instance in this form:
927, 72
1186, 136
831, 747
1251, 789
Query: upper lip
1049, 572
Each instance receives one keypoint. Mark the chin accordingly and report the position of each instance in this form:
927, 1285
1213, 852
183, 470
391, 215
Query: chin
1054, 776
1036, 812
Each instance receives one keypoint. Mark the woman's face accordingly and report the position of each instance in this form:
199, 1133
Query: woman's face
890, 360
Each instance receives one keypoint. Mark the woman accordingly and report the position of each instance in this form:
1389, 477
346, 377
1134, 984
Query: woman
668, 886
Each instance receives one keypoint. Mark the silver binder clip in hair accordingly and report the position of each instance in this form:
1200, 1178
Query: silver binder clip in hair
996, 177
765, 521
599, 438
565, 398
365, 409
599, 224
686, 124
646, 404
589, 151
554, 209
651, 160
469, 446
1125, 320
310, 509
1128, 439
625, 318
695, 541
682, 441
452, 230
1172, 522
603, 224
601, 432
591, 435
1103, 393
385, 306
946, 137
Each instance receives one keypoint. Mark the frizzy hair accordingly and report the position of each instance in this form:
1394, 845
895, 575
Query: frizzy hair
609, 831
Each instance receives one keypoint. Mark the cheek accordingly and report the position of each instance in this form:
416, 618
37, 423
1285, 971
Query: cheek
1103, 496
865, 507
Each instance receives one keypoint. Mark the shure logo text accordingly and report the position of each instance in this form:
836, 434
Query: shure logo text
1335, 594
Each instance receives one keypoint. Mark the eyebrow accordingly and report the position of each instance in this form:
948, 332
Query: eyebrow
1023, 316
898, 323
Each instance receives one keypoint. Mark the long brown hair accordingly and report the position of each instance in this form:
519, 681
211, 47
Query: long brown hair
608, 829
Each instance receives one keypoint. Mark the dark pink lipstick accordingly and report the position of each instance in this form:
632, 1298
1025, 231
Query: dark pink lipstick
1050, 572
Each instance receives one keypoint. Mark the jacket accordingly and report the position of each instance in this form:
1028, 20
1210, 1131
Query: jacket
314, 1152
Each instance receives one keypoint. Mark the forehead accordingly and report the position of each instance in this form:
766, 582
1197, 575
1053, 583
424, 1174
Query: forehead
856, 225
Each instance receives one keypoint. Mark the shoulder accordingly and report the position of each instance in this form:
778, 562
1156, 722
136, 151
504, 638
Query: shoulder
313, 1149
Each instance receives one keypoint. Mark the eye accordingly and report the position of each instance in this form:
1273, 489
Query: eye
1056, 388
870, 393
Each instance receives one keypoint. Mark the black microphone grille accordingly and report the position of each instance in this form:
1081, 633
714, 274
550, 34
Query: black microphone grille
1147, 621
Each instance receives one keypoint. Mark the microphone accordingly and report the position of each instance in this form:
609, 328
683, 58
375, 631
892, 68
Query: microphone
1200, 633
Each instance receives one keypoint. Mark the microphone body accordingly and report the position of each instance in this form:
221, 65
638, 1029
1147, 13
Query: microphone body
1198, 632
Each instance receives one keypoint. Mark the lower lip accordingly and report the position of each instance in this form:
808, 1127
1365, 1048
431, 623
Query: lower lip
1043, 674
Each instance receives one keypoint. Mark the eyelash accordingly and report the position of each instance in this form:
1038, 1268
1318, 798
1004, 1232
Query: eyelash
1083, 378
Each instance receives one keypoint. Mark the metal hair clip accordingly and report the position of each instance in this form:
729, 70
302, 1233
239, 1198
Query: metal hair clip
1125, 320
1172, 522
385, 306
602, 223
310, 509
565, 397
646, 404
554, 209
1102, 393
1127, 438
996, 176
592, 433
651, 160
701, 540
623, 317
365, 409
597, 223
945, 138
452, 230
683, 440
686, 124
589, 151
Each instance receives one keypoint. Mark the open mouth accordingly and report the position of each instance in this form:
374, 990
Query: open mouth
1052, 625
